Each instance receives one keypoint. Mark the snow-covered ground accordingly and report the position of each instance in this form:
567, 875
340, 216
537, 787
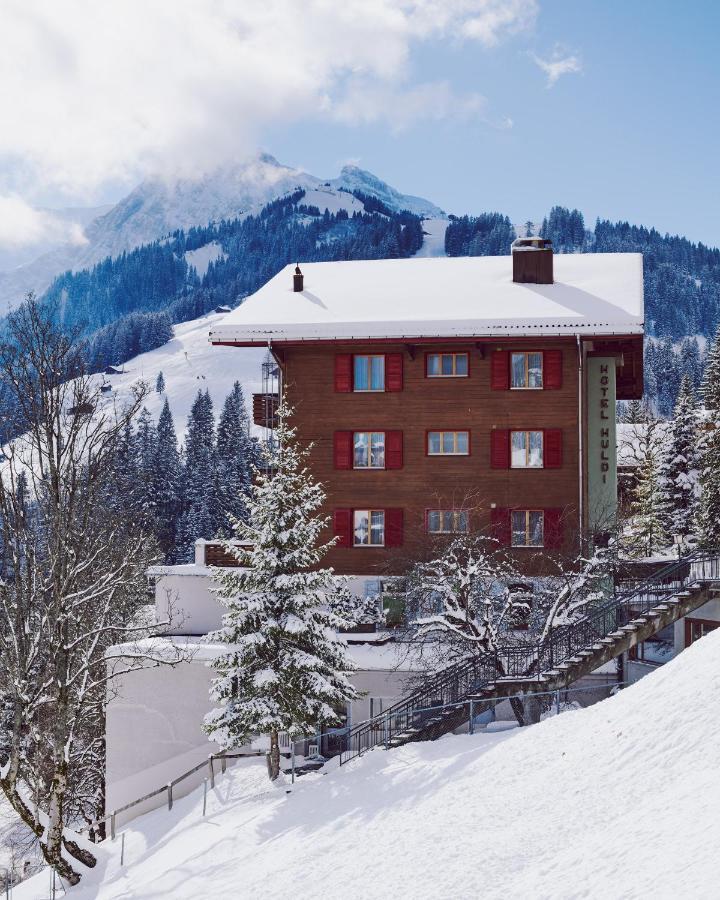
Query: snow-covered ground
434, 240
189, 363
618, 800
201, 258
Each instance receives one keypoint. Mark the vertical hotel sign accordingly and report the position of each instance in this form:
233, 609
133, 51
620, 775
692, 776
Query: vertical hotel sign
601, 443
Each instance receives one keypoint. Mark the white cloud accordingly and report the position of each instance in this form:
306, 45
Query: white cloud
560, 63
22, 225
93, 93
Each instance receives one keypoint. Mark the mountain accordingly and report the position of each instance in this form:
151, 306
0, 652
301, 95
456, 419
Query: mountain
158, 207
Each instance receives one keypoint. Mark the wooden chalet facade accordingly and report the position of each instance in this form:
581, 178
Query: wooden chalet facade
473, 394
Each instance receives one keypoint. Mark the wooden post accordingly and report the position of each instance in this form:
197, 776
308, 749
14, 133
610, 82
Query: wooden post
204, 795
170, 796
122, 849
112, 827
212, 771
223, 764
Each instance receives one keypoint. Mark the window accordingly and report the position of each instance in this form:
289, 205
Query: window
448, 443
526, 371
526, 449
447, 521
527, 528
369, 373
447, 365
369, 528
369, 450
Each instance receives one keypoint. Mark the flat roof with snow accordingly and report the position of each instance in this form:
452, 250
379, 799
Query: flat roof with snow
593, 294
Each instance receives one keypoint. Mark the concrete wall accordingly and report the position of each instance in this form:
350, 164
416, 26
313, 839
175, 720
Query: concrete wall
183, 596
154, 730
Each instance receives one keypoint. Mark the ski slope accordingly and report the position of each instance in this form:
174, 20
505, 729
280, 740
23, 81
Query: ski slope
619, 800
189, 363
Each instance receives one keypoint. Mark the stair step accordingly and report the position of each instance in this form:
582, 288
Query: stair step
616, 634
608, 641
629, 628
638, 622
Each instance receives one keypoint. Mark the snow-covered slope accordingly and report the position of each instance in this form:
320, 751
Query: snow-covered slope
158, 207
189, 363
618, 800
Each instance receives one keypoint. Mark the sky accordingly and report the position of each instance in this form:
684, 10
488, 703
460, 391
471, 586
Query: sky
507, 105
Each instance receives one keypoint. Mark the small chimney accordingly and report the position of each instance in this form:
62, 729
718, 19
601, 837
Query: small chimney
532, 260
297, 279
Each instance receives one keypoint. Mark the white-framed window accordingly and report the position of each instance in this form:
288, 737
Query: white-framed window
447, 365
369, 528
448, 443
528, 526
369, 450
448, 521
526, 449
369, 373
526, 371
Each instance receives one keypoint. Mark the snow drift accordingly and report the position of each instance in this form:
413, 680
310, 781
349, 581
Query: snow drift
616, 800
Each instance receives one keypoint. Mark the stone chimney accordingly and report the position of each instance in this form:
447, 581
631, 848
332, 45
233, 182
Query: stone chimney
297, 279
532, 260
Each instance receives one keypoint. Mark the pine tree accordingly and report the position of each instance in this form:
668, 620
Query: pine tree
201, 517
679, 466
160, 383
284, 669
236, 455
709, 510
167, 478
647, 526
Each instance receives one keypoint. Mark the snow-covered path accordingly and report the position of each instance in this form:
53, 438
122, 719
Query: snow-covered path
618, 800
434, 240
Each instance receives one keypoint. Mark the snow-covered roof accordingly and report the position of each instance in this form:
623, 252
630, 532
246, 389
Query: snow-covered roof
593, 293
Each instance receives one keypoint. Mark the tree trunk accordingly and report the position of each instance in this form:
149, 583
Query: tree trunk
519, 710
274, 756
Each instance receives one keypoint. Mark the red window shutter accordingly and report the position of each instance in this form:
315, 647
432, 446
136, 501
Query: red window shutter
342, 526
393, 527
393, 371
500, 371
553, 528
393, 449
500, 448
552, 448
500, 525
343, 449
552, 369
343, 373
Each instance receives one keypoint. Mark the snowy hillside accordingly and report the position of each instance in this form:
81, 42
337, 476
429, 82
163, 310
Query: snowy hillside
189, 363
158, 207
618, 800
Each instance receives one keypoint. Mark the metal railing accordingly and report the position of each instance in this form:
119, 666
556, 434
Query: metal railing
450, 688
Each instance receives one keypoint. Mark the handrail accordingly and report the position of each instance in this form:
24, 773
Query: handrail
528, 659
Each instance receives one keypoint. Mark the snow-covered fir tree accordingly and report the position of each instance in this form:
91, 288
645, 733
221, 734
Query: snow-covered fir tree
160, 383
647, 526
709, 506
237, 453
201, 512
167, 477
679, 466
284, 668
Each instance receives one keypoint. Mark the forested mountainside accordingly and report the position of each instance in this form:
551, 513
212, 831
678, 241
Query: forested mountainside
682, 285
125, 305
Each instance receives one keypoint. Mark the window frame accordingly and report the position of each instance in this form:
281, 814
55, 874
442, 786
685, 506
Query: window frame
454, 354
527, 513
442, 431
455, 514
527, 386
369, 512
369, 434
527, 432
369, 357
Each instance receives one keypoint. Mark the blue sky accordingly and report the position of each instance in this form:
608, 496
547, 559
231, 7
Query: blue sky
635, 135
508, 105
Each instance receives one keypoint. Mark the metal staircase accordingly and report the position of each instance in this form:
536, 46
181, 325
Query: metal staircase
569, 652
